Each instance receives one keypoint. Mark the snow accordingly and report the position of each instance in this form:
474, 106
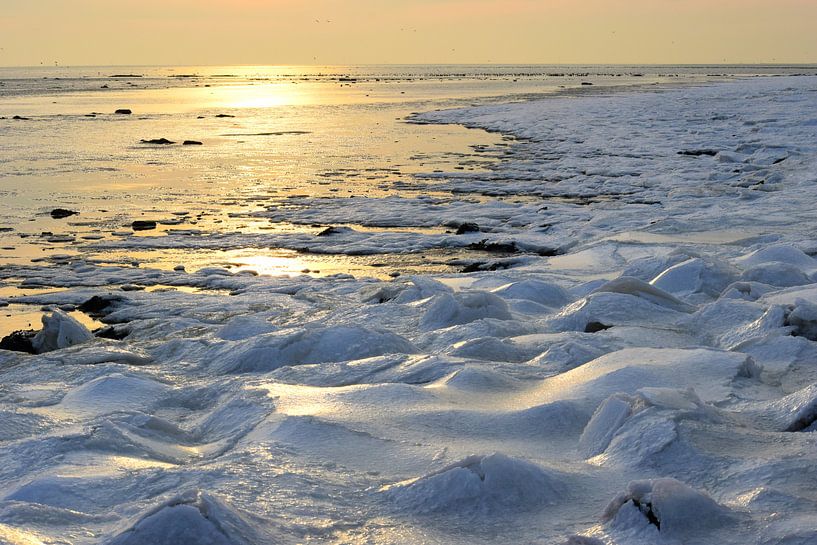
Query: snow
653, 382
479, 485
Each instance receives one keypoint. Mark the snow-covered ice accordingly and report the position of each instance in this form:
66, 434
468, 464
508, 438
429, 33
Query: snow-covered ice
633, 360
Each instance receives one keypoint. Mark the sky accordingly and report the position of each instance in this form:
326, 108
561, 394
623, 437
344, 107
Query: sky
274, 32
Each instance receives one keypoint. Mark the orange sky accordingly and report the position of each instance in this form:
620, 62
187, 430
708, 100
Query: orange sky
98, 32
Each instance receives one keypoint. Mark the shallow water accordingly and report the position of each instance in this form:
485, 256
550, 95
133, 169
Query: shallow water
291, 131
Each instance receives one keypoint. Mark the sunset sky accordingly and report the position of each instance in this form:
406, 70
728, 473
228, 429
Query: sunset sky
105, 32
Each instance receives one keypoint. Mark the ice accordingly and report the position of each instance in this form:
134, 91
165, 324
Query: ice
607, 419
193, 518
316, 345
481, 484
670, 344
60, 331
695, 276
111, 393
675, 509
461, 308
544, 293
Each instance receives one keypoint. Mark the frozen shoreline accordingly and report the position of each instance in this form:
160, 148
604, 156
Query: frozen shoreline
651, 383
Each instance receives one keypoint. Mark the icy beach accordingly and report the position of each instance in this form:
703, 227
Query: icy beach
607, 335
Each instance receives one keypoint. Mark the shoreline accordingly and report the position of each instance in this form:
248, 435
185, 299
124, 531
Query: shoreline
657, 367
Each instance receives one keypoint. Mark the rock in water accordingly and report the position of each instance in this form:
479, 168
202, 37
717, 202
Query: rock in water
18, 341
59, 213
143, 225
191, 143
332, 230
123, 111
59, 331
158, 141
467, 227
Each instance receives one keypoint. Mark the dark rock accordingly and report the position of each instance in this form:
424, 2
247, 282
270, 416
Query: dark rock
224, 115
126, 76
494, 247
19, 341
595, 327
112, 332
143, 225
160, 141
331, 230
98, 305
586, 83
59, 213
123, 111
699, 152
20, 118
486, 266
131, 287
191, 143
104, 86
468, 227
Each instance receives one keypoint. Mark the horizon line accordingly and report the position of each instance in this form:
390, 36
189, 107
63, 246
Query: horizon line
692, 64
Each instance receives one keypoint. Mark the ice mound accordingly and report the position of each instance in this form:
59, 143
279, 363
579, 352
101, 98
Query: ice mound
623, 301
307, 346
779, 253
194, 518
695, 275
60, 331
244, 327
447, 309
409, 290
744, 326
471, 379
624, 428
795, 412
116, 392
492, 349
783, 275
100, 352
711, 372
675, 509
481, 484
568, 353
633, 286
748, 291
544, 293
803, 319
